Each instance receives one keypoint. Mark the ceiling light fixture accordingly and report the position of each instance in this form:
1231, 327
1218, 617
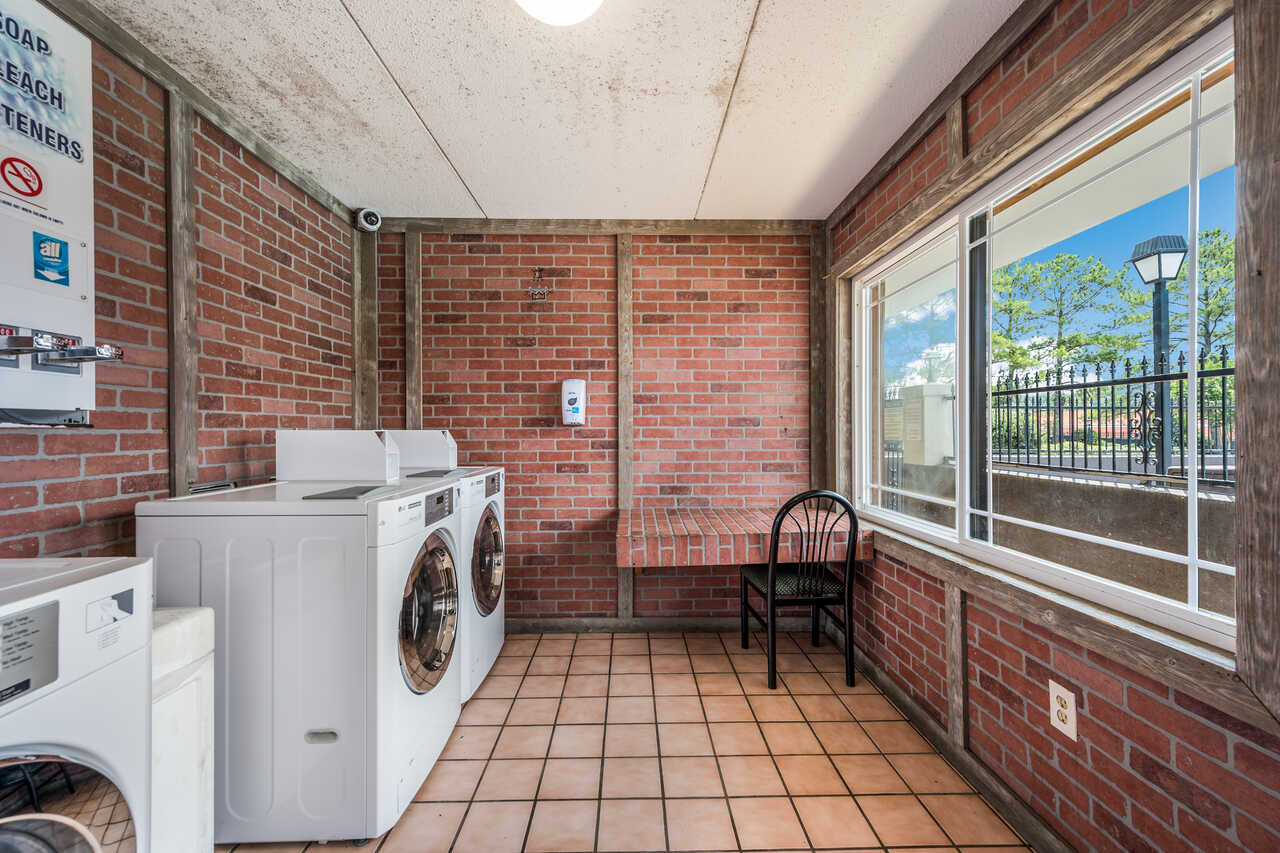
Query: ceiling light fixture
560, 13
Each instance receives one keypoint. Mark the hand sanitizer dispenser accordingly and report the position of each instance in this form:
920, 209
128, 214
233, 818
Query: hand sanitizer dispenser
573, 402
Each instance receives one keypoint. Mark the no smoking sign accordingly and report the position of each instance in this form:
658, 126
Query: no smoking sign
20, 177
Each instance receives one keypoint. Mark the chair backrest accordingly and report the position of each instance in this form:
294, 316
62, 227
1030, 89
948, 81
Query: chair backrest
810, 526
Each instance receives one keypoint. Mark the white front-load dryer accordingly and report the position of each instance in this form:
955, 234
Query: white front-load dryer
484, 582
75, 705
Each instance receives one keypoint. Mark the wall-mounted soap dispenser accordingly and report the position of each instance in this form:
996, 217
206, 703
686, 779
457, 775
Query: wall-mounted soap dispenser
573, 402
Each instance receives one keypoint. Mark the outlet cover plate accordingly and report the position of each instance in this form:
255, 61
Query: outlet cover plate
1062, 709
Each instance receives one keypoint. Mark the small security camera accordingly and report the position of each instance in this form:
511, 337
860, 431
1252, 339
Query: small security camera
368, 219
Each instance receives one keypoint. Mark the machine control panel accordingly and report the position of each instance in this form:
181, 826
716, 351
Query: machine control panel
493, 484
28, 651
439, 507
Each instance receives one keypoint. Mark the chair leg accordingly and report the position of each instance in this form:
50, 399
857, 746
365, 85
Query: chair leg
742, 608
848, 635
773, 645
813, 626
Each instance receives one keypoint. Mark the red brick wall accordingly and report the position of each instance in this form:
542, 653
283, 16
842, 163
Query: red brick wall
688, 591
1153, 769
275, 308
492, 365
391, 331
73, 491
721, 370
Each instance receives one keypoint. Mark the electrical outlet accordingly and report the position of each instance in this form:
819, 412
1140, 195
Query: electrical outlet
1062, 709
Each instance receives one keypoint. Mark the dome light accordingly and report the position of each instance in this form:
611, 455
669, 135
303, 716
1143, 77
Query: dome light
560, 13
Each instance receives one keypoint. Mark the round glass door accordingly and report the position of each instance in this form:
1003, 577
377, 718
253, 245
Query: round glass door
486, 562
428, 616
51, 805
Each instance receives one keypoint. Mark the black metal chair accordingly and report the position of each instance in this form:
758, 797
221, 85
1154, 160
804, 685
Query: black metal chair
810, 521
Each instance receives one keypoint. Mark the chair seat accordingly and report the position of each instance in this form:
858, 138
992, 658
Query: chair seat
788, 582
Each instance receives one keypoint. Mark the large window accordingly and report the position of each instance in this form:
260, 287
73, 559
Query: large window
1069, 329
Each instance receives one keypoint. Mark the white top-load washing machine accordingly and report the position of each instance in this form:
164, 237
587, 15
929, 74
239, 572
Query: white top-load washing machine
483, 586
337, 619
75, 705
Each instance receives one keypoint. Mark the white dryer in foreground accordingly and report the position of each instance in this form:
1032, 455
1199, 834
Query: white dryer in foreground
483, 607
337, 615
75, 704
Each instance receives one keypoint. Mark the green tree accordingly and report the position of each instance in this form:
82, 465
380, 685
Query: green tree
1011, 316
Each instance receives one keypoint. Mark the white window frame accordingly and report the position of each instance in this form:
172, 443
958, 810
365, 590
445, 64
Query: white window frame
1200, 626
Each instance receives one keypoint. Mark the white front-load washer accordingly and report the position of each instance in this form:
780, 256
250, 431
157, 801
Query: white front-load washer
337, 684
75, 705
483, 586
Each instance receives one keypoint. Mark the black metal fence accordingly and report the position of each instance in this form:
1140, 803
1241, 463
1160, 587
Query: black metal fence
1113, 418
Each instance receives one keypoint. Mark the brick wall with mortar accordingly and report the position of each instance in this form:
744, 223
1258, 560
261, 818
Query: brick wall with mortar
391, 331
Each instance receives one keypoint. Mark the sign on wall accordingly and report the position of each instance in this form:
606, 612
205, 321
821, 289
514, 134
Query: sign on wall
46, 202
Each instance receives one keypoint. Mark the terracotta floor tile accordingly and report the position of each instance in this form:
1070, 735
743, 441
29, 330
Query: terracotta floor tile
717, 684
586, 685
577, 741
869, 774
671, 663
425, 828
530, 636
622, 635
510, 666
589, 709
495, 827
929, 773
623, 664
711, 663
631, 685
631, 740
901, 820
809, 775
727, 709
678, 709
794, 663
592, 647
758, 682
871, 706
969, 820
750, 776
536, 686
626, 778
562, 827
701, 644
523, 742
631, 709
790, 738
533, 712
630, 647
570, 779
666, 646
896, 737
771, 708
631, 825
843, 738
737, 739
556, 646
861, 684
805, 682
471, 742
825, 708
745, 662
691, 776
699, 825
515, 779
518, 647
674, 684
451, 781
484, 712
683, 739
767, 822
834, 822
548, 666
498, 687
589, 665
828, 662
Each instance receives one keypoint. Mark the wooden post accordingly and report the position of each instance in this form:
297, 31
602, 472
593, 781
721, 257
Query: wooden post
819, 349
412, 330
1257, 37
364, 392
956, 138
626, 414
184, 415
957, 668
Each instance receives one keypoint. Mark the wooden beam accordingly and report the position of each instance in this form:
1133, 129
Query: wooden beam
957, 668
841, 373
1010, 33
626, 410
1257, 38
364, 349
413, 331
819, 352
1151, 34
184, 339
957, 135
98, 26
761, 227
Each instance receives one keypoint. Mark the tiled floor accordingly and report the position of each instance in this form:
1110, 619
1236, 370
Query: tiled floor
636, 742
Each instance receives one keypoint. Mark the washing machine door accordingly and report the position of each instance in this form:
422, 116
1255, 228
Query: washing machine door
429, 616
51, 805
487, 562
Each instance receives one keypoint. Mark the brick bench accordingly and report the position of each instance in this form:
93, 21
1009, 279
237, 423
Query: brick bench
653, 537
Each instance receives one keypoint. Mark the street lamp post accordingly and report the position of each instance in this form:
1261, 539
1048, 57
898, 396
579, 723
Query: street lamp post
1158, 262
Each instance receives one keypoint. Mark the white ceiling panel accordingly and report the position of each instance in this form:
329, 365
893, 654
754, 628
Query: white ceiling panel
614, 117
301, 74
826, 87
